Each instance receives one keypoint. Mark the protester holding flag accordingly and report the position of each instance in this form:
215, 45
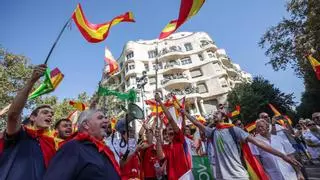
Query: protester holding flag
176, 151
85, 156
276, 168
27, 149
225, 138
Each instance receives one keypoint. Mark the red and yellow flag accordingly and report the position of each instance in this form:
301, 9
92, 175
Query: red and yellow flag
251, 126
188, 8
112, 64
235, 112
315, 65
78, 105
95, 33
277, 113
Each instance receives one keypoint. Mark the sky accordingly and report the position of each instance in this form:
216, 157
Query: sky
30, 27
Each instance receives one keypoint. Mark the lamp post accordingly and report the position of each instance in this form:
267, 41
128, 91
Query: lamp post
141, 82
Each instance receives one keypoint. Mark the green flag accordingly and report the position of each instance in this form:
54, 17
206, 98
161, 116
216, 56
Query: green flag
201, 169
130, 96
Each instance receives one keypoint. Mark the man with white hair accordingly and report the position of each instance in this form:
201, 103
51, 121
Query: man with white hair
276, 167
85, 156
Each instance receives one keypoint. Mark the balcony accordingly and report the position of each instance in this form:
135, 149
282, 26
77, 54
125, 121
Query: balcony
176, 78
173, 51
205, 44
185, 91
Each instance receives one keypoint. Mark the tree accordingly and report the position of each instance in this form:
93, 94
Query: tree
290, 40
254, 97
14, 71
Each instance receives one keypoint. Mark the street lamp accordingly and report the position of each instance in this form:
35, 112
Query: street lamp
141, 82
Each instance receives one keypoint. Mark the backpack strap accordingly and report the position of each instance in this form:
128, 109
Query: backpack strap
235, 139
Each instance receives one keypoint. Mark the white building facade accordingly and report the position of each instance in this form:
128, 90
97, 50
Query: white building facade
189, 64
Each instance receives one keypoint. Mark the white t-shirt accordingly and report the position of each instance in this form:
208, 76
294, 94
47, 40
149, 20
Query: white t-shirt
310, 138
276, 167
280, 132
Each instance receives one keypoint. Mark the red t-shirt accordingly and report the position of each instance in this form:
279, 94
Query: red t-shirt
177, 164
149, 158
131, 169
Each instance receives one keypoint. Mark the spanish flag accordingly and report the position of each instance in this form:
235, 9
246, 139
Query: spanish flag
251, 126
253, 166
78, 105
188, 8
112, 65
235, 112
95, 33
315, 65
277, 113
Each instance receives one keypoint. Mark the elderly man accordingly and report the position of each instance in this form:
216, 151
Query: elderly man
316, 118
27, 149
276, 168
85, 156
226, 139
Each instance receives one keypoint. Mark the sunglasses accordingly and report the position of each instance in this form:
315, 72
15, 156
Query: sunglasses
311, 124
317, 117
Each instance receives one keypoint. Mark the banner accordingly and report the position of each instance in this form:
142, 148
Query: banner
201, 168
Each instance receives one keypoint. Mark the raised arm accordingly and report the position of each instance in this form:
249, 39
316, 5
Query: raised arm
18, 103
167, 113
159, 150
270, 150
194, 120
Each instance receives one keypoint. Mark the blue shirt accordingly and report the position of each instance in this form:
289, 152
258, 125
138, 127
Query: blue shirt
21, 158
80, 160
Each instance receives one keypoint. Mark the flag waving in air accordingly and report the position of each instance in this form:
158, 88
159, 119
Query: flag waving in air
95, 33
112, 65
236, 112
278, 114
188, 8
50, 83
315, 65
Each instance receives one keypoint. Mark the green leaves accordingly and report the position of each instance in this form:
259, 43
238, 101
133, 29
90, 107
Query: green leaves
254, 98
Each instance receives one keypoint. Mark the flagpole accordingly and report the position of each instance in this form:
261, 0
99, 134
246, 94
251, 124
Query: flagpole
55, 43
156, 68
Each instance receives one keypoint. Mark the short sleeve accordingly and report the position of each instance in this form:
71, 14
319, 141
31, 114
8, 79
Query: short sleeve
279, 128
254, 149
208, 132
241, 134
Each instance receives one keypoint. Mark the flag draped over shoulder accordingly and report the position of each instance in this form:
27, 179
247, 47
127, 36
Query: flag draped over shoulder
188, 8
254, 168
95, 33
315, 65
51, 81
112, 64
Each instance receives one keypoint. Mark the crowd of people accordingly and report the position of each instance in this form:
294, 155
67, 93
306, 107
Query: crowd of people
31, 150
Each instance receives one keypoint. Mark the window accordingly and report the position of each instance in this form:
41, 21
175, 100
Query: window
131, 66
130, 55
200, 57
152, 53
210, 54
173, 48
133, 80
186, 60
223, 82
146, 67
159, 66
128, 82
204, 43
202, 88
188, 46
196, 73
